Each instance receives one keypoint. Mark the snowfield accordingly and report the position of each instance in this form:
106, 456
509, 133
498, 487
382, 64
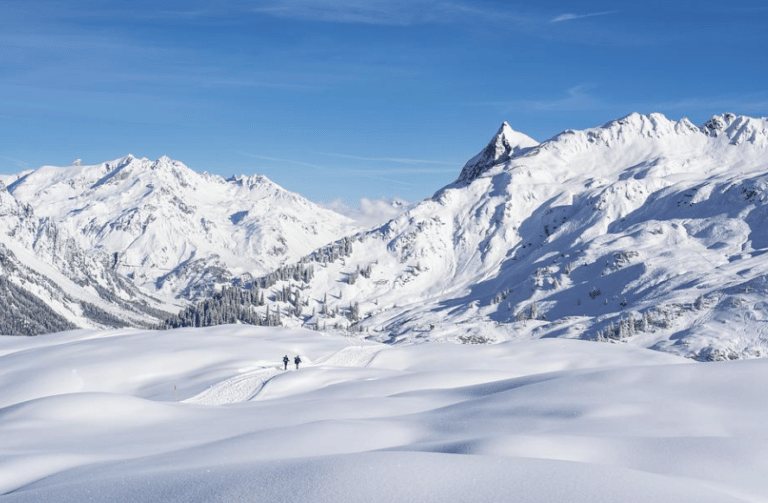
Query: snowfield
208, 415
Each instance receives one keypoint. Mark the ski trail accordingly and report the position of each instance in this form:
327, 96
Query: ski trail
240, 388
244, 387
352, 356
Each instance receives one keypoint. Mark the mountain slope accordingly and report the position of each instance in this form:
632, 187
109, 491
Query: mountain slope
644, 229
176, 232
49, 283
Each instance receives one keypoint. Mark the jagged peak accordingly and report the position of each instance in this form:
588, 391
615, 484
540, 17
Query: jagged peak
650, 125
144, 167
622, 131
114, 171
10, 205
115, 164
505, 144
165, 161
738, 128
718, 123
252, 181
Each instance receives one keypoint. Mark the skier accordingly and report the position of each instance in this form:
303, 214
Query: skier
297, 360
285, 362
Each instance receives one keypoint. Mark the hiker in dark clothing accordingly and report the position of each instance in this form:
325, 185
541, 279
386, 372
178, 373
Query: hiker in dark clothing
285, 362
297, 360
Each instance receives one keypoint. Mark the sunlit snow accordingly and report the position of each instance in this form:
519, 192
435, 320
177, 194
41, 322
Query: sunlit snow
210, 415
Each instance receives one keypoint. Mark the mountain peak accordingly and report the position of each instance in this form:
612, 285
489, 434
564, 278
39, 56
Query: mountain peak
633, 129
718, 123
651, 125
738, 129
505, 144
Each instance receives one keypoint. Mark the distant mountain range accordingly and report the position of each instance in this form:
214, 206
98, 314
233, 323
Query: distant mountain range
154, 233
644, 230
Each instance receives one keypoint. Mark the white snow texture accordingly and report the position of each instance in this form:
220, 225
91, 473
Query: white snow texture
547, 316
128, 416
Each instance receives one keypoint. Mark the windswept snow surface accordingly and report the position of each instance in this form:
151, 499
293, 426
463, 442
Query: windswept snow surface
123, 416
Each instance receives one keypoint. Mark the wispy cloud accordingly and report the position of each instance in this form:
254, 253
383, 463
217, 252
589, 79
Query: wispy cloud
402, 171
390, 159
374, 12
756, 104
285, 161
383, 12
571, 17
389, 180
376, 174
577, 98
16, 162
371, 212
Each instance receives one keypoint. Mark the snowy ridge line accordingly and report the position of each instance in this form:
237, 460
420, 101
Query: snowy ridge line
188, 232
613, 233
643, 230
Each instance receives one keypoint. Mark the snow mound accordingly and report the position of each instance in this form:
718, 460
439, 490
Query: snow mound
540, 420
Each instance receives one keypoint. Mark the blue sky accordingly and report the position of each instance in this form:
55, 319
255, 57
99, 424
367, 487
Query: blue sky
350, 99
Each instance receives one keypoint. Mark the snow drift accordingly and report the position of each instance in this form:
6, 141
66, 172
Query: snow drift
112, 416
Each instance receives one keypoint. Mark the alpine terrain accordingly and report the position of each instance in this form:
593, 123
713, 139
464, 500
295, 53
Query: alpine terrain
555, 267
173, 231
644, 230
49, 283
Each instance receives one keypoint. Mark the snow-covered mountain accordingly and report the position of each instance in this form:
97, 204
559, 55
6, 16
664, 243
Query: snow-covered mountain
175, 232
645, 229
49, 283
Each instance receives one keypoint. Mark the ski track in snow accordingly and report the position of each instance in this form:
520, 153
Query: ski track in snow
240, 388
246, 386
353, 356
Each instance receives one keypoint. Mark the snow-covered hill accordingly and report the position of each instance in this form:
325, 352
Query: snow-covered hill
645, 230
209, 415
173, 231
